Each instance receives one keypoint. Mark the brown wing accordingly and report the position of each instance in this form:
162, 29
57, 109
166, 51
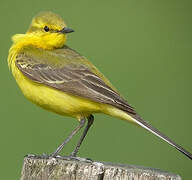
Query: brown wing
72, 78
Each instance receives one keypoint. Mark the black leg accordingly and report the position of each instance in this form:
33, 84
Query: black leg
89, 123
81, 124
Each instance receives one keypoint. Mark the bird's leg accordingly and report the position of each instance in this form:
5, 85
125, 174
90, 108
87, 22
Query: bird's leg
89, 123
81, 124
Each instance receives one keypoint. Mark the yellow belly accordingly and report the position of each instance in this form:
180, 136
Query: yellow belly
59, 101
55, 100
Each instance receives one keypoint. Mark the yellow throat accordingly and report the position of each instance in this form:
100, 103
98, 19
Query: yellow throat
42, 33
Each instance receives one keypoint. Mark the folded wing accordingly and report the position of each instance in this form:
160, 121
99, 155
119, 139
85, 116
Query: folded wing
69, 73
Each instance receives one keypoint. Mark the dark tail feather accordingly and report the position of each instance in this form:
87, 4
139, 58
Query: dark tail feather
156, 132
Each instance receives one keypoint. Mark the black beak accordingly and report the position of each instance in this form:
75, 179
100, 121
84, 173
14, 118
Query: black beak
67, 30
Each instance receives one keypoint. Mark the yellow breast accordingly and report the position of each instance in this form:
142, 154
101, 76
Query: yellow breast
53, 99
62, 103
48, 97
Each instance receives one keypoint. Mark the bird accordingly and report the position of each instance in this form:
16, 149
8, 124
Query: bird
59, 79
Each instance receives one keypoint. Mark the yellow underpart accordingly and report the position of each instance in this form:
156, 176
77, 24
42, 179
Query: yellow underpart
60, 102
47, 41
39, 40
47, 97
53, 99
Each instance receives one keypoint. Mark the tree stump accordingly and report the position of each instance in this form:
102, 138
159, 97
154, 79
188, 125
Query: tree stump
63, 168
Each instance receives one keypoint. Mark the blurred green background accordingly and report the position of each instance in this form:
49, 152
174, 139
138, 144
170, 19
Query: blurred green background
143, 47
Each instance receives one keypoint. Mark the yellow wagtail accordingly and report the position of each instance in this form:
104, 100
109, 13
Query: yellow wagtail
59, 79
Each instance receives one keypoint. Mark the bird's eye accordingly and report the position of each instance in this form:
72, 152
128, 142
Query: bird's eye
46, 28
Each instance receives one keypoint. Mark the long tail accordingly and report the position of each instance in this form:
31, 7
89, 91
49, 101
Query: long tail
138, 120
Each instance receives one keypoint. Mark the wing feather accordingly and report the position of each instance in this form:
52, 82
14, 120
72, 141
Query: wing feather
78, 80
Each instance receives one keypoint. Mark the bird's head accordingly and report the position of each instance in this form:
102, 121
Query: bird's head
47, 31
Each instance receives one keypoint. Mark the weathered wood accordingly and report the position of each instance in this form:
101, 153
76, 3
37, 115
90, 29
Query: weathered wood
35, 168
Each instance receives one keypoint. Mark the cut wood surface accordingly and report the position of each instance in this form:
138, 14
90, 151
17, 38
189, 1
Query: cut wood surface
63, 168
